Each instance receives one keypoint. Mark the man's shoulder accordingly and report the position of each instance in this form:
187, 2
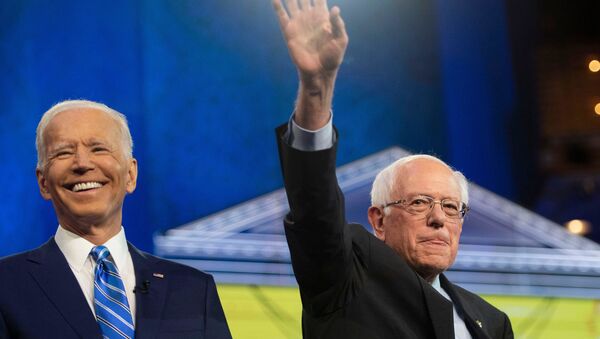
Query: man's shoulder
468, 295
472, 300
174, 269
14, 260
494, 321
18, 260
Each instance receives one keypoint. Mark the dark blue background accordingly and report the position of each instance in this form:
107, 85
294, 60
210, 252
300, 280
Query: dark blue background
204, 83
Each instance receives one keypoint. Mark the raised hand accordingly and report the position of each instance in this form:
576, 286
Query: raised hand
316, 37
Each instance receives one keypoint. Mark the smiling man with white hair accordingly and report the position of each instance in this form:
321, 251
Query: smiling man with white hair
87, 281
355, 284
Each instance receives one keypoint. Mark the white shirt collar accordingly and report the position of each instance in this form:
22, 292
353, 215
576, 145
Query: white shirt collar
77, 249
436, 283
438, 287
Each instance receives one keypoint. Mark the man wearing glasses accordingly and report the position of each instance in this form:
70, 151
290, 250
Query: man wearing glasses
354, 284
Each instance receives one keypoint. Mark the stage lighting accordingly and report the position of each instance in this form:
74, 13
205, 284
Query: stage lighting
578, 226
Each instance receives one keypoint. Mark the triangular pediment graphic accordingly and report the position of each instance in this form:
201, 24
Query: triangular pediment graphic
505, 249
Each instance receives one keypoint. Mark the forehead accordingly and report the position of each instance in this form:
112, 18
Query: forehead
82, 124
426, 176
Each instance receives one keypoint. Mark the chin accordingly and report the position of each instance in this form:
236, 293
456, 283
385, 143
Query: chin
88, 216
434, 267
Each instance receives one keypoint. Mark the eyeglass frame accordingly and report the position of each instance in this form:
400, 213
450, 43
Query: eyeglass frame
402, 202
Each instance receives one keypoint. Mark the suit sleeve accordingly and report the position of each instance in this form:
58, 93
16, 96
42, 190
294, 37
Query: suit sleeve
508, 331
216, 324
315, 225
3, 329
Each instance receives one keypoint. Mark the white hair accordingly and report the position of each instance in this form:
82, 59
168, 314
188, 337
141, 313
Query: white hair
385, 181
126, 141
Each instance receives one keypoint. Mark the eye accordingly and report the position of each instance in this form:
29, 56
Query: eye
419, 201
63, 154
99, 149
451, 205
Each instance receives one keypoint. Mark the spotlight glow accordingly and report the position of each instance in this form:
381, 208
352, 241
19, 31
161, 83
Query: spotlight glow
578, 226
597, 108
594, 65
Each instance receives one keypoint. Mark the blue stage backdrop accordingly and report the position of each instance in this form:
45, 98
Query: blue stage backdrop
204, 83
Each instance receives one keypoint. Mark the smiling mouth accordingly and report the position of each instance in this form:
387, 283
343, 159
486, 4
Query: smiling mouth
85, 186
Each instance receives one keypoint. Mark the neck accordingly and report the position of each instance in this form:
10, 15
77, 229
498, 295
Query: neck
429, 276
95, 233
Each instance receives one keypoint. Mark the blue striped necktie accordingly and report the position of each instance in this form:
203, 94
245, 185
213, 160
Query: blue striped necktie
110, 300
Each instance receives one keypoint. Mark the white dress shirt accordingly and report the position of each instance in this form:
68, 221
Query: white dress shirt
77, 252
324, 138
460, 328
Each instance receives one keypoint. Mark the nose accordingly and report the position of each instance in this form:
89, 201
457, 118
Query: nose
436, 216
82, 161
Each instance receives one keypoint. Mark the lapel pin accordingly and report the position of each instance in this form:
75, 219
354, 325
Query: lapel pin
479, 323
160, 275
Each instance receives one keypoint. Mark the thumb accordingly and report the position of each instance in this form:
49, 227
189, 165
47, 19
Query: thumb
338, 27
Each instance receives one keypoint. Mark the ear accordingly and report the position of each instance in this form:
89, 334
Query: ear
376, 220
43, 184
132, 176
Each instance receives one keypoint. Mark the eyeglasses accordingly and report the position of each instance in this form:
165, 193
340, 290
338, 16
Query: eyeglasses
422, 204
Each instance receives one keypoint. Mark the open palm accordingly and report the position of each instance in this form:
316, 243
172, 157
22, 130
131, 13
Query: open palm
316, 37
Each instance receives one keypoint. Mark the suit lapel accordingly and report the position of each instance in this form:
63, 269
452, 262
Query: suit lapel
51, 271
150, 294
440, 311
471, 319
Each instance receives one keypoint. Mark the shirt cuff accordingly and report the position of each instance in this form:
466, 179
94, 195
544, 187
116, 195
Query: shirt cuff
306, 140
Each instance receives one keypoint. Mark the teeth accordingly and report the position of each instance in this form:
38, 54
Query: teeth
86, 186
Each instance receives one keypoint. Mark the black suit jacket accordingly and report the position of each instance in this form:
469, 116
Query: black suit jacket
41, 298
352, 285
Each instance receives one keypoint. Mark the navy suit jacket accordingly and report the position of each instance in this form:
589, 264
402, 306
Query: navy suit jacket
41, 298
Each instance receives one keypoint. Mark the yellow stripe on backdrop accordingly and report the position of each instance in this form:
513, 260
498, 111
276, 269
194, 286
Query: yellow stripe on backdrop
258, 312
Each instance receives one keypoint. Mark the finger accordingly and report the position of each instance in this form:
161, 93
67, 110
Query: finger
305, 4
337, 24
292, 6
321, 4
281, 13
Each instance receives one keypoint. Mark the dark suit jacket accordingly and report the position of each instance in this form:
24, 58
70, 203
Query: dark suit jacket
41, 298
352, 285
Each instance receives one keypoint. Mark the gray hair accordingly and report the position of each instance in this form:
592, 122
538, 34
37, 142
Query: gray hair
385, 181
126, 142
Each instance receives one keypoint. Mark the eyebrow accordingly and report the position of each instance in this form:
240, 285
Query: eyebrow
412, 195
95, 141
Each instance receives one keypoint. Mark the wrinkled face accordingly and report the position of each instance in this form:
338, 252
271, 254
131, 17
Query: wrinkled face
429, 242
86, 173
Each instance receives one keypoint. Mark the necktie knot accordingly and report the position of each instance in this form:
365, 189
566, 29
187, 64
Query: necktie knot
100, 253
